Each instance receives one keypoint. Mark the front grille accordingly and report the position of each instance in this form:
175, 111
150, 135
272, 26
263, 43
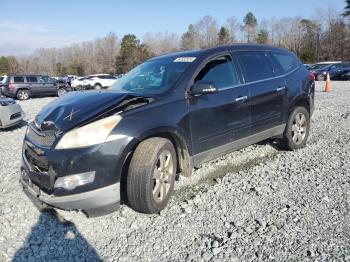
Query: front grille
14, 116
46, 138
37, 163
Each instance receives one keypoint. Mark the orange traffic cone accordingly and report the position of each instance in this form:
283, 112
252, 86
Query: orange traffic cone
328, 84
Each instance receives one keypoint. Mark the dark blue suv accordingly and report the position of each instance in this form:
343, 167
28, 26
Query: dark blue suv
85, 150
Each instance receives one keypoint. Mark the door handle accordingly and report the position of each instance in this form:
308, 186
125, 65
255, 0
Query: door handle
280, 88
241, 98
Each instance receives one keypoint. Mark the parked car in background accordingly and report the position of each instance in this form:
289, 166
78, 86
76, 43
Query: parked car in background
321, 72
23, 87
322, 64
11, 113
100, 81
117, 76
78, 83
333, 70
337, 72
163, 118
2, 81
341, 75
308, 66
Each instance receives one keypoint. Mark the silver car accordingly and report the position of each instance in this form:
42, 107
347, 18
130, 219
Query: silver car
11, 113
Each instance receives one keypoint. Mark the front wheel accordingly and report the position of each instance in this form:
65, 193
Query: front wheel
151, 175
297, 129
61, 91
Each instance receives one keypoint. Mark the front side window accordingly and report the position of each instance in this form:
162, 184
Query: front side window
153, 77
44, 79
256, 66
221, 72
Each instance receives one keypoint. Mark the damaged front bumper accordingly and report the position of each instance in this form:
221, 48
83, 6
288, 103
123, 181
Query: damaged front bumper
43, 167
105, 196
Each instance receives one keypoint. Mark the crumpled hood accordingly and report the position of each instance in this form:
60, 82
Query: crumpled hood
75, 108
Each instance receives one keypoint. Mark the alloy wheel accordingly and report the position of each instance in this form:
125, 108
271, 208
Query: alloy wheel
61, 91
299, 128
23, 95
162, 176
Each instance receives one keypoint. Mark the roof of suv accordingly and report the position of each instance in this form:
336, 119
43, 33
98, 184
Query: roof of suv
27, 75
213, 50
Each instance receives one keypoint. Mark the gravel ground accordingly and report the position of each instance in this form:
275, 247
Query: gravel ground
254, 204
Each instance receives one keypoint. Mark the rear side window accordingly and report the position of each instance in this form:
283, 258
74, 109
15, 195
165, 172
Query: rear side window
256, 66
32, 79
286, 62
18, 79
220, 71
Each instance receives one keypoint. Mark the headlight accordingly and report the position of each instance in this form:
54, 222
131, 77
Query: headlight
73, 181
91, 134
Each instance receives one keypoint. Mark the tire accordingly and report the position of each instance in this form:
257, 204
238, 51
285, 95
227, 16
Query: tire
23, 94
320, 78
297, 129
61, 91
97, 86
148, 188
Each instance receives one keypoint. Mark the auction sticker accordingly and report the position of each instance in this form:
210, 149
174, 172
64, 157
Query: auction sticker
187, 59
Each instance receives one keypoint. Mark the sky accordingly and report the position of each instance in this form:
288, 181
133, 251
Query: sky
28, 25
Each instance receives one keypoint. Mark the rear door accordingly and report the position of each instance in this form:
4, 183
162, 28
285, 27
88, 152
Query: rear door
219, 118
266, 90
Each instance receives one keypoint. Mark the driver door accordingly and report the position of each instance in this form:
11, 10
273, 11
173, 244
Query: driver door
219, 118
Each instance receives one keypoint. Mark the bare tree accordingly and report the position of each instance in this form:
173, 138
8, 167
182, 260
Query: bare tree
234, 28
161, 42
207, 29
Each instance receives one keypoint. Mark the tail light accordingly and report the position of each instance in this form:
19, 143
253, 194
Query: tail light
10, 86
312, 76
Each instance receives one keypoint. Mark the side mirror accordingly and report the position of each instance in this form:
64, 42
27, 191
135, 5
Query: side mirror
201, 88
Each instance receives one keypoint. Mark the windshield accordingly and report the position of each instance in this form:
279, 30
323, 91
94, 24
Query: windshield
153, 77
319, 66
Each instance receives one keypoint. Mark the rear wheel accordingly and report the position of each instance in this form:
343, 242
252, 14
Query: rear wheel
97, 86
151, 175
297, 129
320, 78
23, 95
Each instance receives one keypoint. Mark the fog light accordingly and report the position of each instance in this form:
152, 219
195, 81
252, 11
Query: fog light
71, 182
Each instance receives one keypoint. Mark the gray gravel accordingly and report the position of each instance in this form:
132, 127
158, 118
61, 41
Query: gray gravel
258, 203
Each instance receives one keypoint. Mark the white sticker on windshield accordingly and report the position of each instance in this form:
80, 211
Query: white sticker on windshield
187, 59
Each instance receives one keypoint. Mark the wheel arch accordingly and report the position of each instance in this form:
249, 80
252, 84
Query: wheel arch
23, 88
303, 101
184, 164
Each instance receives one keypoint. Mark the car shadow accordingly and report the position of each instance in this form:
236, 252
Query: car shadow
271, 142
55, 239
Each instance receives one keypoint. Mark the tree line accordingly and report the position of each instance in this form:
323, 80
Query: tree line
326, 36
